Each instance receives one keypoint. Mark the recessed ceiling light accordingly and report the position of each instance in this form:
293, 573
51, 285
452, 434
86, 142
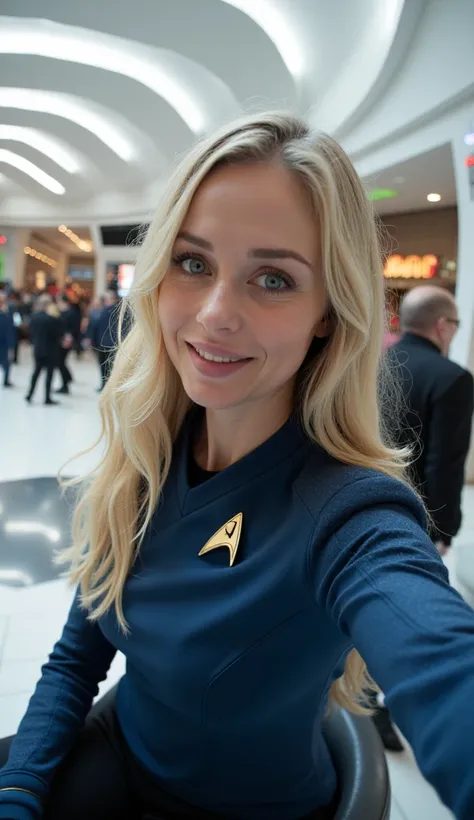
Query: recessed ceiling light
433, 197
381, 193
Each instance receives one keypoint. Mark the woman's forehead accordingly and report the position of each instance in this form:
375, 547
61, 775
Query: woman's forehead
254, 200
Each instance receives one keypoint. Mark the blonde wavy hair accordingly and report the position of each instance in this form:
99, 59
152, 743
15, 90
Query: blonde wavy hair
144, 404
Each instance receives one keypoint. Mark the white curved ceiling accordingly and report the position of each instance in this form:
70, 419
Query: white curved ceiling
101, 97
31, 170
49, 146
281, 27
151, 68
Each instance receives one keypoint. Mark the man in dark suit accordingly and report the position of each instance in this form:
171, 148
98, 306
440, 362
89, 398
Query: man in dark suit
435, 423
439, 405
45, 332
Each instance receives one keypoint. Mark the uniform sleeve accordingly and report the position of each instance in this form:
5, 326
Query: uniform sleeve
57, 710
380, 578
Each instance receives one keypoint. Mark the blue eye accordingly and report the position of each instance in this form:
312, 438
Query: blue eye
193, 265
275, 282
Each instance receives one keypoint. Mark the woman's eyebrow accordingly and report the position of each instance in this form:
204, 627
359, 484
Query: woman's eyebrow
278, 253
196, 240
255, 253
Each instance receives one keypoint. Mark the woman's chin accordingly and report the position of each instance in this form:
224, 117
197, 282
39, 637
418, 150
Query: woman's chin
213, 397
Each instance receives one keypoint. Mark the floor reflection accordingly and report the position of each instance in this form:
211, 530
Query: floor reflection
35, 521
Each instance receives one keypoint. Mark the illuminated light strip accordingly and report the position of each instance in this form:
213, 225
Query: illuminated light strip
82, 244
32, 170
43, 143
69, 108
41, 256
278, 28
61, 42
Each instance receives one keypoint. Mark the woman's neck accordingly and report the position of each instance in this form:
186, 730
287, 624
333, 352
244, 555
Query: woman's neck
226, 436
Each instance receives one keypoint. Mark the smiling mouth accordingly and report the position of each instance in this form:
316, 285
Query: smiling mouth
209, 357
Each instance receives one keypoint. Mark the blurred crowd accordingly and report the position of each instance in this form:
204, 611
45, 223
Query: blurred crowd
56, 324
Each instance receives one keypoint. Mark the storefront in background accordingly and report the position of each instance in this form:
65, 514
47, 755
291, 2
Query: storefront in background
40, 271
420, 248
80, 277
120, 276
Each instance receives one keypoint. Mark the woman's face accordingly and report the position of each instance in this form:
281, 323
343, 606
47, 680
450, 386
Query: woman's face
244, 285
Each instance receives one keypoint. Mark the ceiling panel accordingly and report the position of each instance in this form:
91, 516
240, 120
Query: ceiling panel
431, 172
224, 59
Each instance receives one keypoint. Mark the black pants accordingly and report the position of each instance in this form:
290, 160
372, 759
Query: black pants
5, 364
101, 780
42, 363
63, 368
77, 344
106, 362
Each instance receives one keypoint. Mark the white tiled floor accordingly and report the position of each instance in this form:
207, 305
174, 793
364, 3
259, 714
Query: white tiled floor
37, 440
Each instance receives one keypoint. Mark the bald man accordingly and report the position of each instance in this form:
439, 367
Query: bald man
439, 395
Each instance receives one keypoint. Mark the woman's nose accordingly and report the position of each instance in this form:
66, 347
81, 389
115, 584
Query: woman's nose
220, 308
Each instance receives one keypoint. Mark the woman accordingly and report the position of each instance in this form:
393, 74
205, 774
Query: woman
248, 531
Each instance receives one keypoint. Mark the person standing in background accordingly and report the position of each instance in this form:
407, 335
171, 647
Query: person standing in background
14, 308
46, 332
95, 310
106, 334
435, 423
7, 339
68, 319
91, 333
439, 401
26, 305
77, 334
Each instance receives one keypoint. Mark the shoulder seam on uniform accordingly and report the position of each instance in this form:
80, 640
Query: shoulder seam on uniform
311, 536
334, 495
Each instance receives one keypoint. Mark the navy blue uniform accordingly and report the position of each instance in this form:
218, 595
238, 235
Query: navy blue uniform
229, 667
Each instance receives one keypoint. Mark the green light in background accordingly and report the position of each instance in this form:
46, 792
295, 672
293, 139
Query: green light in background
381, 193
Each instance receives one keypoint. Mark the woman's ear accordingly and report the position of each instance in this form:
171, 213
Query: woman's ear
325, 326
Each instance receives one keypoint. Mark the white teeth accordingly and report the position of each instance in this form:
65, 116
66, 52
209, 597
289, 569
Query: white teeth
210, 358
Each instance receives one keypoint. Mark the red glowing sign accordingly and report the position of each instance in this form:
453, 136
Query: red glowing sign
411, 267
3, 240
470, 161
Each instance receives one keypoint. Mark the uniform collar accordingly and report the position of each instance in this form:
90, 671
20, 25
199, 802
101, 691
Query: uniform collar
267, 455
